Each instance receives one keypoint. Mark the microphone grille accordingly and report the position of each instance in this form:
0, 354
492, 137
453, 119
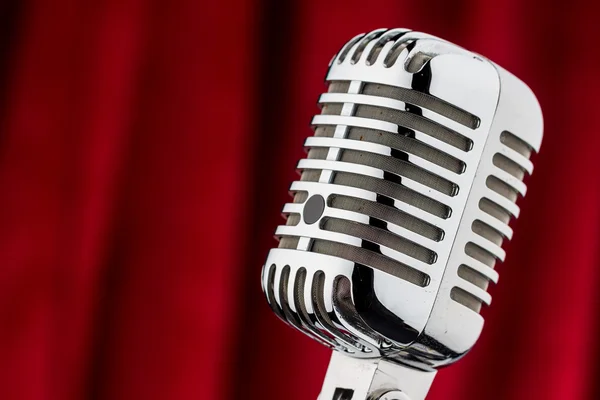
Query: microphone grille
399, 178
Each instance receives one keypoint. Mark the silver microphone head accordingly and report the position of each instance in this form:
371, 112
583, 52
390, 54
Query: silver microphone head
405, 197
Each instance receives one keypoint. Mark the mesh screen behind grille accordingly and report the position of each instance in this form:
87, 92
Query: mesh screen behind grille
494, 210
501, 188
379, 236
395, 51
513, 142
387, 213
410, 145
509, 166
394, 191
400, 167
416, 122
484, 230
465, 298
473, 276
375, 260
423, 100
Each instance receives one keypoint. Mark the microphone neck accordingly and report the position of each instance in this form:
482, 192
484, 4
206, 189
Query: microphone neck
350, 378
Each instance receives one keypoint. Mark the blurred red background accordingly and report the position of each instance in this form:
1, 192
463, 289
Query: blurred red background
146, 148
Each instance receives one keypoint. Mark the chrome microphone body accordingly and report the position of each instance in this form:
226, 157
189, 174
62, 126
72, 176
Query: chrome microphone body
398, 219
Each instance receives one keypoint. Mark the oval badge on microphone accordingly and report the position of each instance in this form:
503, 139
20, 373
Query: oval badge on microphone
313, 209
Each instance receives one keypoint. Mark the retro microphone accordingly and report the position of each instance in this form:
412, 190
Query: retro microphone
398, 218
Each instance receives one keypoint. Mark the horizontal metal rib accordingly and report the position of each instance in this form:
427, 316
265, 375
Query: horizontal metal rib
370, 196
393, 104
404, 143
488, 246
371, 259
289, 208
385, 213
481, 268
386, 39
377, 173
517, 158
510, 180
365, 43
269, 283
496, 224
474, 290
391, 227
286, 230
503, 202
379, 236
423, 100
399, 166
332, 120
384, 151
413, 121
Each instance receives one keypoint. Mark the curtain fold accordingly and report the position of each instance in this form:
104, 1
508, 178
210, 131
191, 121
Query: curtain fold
146, 149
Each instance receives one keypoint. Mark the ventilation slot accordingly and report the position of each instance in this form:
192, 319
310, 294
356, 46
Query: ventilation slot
515, 143
401, 168
298, 299
395, 52
508, 166
494, 210
379, 236
416, 122
271, 292
294, 318
325, 131
369, 258
318, 300
394, 191
299, 293
465, 298
481, 255
372, 58
501, 188
291, 242
417, 62
318, 288
423, 100
283, 285
348, 47
363, 44
473, 276
386, 213
410, 145
313, 175
487, 232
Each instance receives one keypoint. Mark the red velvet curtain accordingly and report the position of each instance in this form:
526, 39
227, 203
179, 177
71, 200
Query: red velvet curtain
146, 148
